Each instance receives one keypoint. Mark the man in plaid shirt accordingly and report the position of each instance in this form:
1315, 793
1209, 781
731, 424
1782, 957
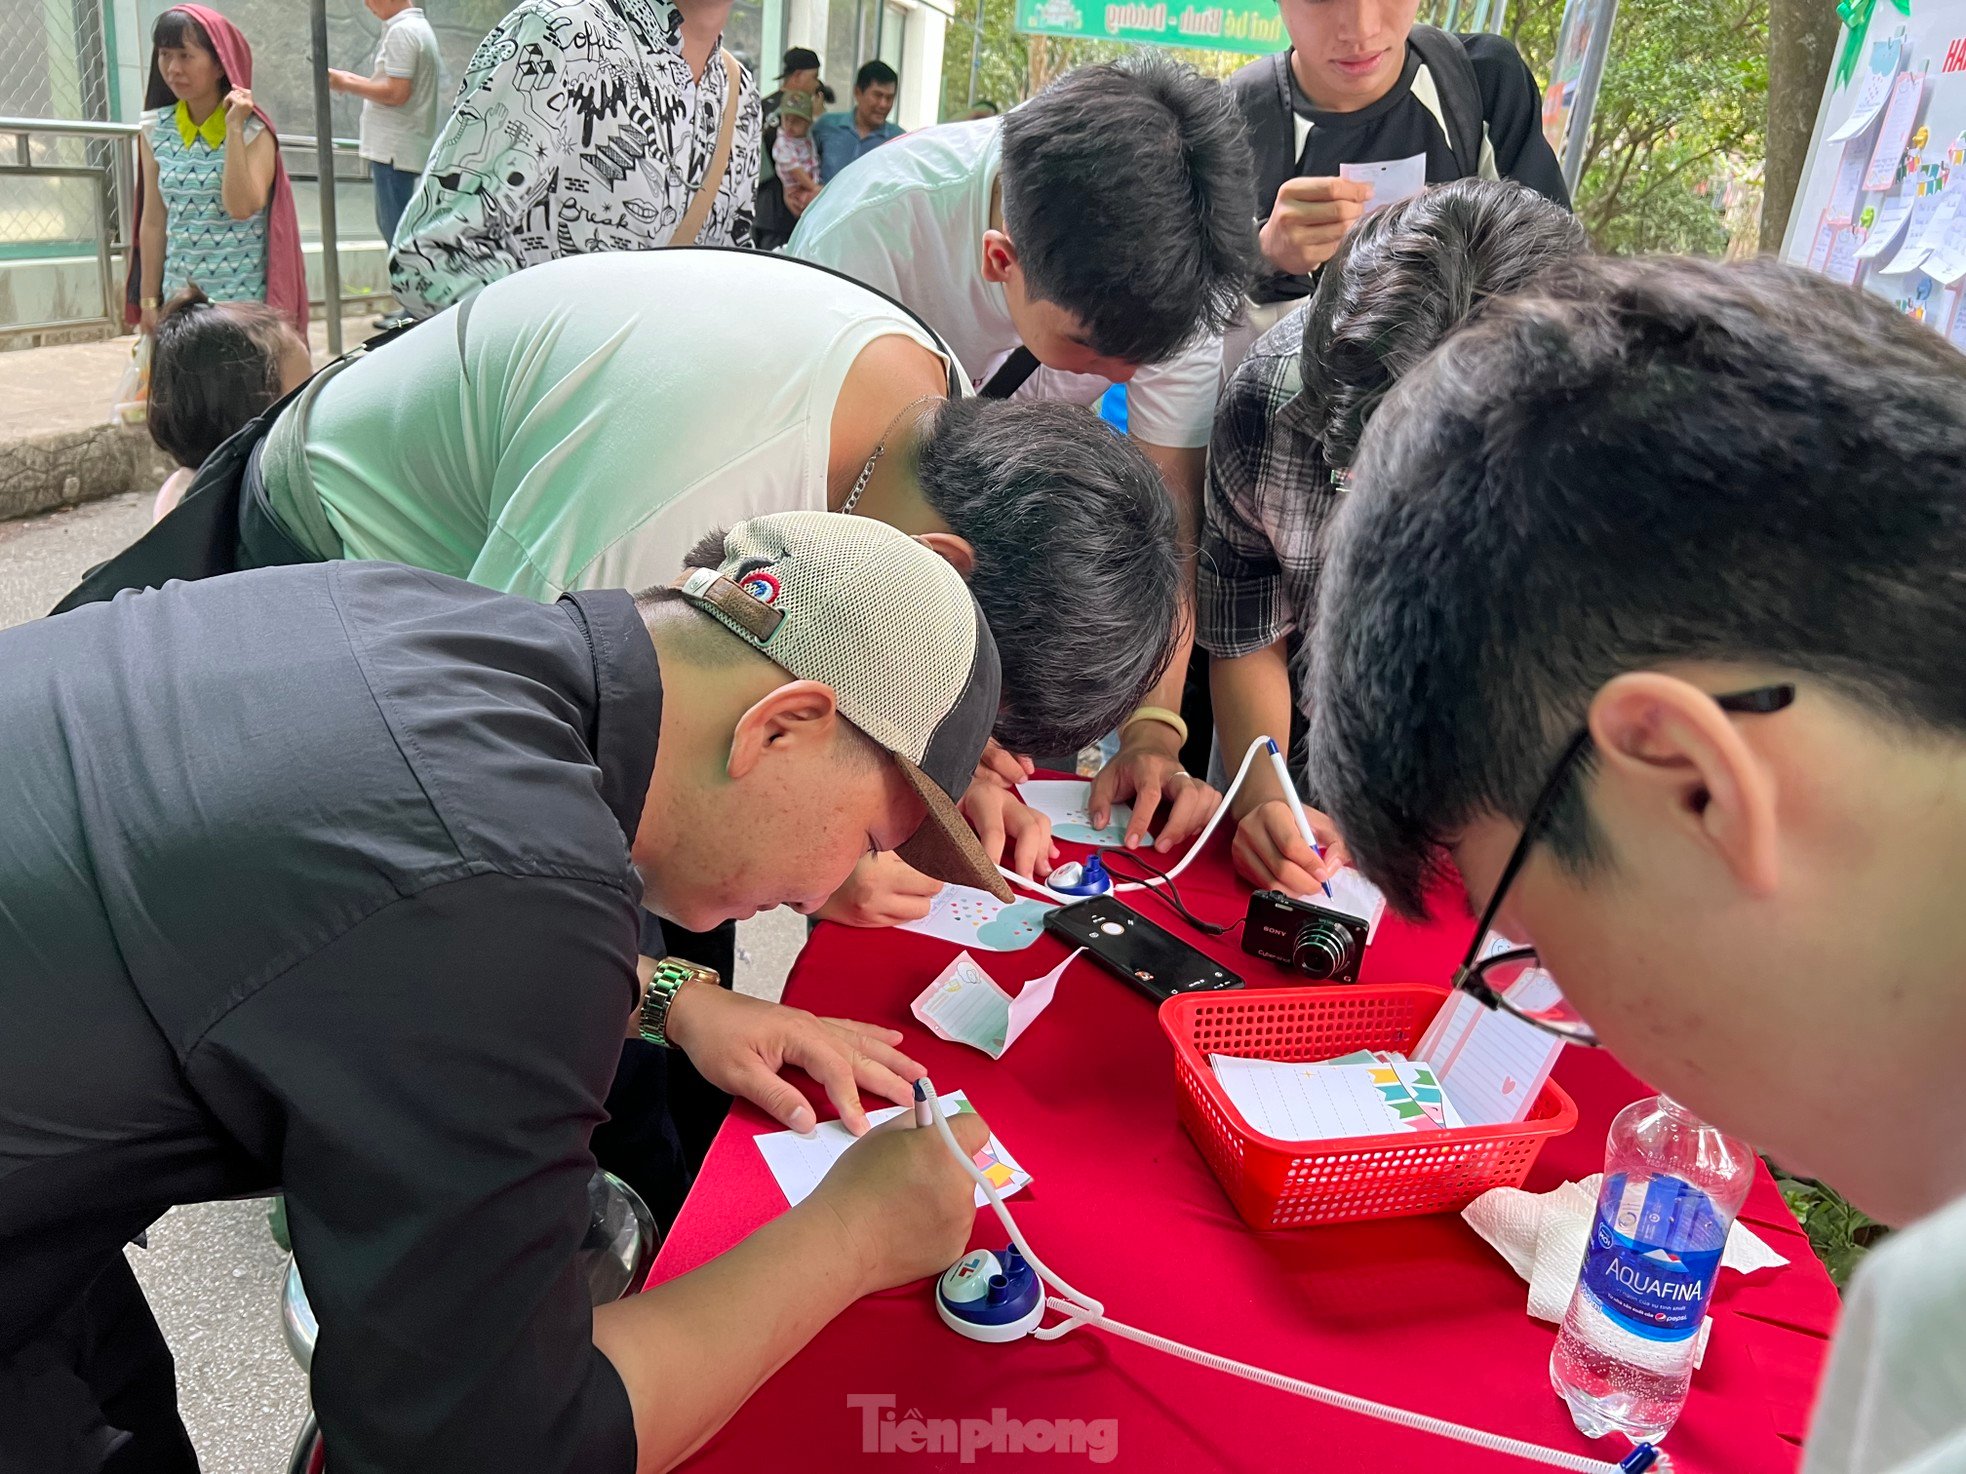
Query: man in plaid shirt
1285, 432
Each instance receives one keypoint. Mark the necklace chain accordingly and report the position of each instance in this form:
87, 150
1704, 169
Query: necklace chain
867, 471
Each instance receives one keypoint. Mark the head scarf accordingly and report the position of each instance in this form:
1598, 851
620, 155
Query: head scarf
286, 276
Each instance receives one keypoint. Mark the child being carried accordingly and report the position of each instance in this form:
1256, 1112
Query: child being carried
793, 153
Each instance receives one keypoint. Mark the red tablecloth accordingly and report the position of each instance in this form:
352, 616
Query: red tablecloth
1418, 1312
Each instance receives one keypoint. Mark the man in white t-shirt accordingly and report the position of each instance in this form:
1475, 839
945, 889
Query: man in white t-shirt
1642, 615
399, 106
1100, 233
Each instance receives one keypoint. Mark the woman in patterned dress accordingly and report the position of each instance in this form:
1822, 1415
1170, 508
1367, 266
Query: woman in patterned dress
215, 211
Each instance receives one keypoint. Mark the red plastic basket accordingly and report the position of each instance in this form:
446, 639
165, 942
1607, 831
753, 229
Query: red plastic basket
1292, 1184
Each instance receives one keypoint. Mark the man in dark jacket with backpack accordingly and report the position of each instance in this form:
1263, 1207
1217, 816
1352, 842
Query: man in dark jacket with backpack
1363, 85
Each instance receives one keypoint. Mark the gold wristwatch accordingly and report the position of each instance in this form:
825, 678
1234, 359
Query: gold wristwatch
670, 975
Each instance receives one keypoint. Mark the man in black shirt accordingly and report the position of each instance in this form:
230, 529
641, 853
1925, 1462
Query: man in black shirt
325, 879
1378, 93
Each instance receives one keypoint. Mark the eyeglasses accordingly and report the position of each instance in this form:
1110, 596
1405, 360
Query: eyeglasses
1501, 975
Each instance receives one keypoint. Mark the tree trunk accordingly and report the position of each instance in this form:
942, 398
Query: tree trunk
1801, 39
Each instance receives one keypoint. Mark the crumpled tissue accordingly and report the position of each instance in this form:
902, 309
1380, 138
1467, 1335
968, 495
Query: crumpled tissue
1542, 1236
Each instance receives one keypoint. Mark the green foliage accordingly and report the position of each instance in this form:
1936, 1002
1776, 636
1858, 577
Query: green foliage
1010, 66
1684, 104
1002, 63
1840, 1234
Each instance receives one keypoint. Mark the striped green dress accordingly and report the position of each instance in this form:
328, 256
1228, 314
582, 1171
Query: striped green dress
226, 258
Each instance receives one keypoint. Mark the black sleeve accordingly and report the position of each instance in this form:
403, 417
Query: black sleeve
649, 941
1512, 107
427, 1084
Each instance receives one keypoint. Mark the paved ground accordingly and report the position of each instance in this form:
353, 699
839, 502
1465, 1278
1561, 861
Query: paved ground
212, 1271
69, 386
41, 557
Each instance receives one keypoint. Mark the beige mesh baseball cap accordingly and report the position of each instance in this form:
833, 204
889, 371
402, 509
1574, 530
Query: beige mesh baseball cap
892, 628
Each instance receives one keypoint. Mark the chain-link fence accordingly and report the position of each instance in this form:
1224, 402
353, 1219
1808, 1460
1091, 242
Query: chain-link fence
54, 60
56, 192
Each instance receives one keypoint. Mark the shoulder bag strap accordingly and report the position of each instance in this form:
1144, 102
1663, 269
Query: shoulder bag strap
691, 225
1010, 374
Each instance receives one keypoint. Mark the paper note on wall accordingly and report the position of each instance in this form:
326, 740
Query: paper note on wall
1952, 318
1895, 131
1942, 218
1886, 226
1391, 181
800, 1163
1843, 265
1947, 263
1873, 91
973, 918
1849, 180
1918, 242
1826, 229
965, 1005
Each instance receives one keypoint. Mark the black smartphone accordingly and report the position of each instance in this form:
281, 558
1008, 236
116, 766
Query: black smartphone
1136, 951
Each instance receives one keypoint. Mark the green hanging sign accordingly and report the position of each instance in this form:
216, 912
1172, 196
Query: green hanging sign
1855, 15
1253, 26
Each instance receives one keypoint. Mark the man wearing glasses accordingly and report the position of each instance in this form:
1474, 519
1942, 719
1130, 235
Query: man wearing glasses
1646, 614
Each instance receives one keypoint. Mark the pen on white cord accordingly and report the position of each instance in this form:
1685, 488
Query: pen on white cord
1296, 804
924, 1112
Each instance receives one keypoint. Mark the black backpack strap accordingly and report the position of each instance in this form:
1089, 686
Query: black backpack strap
1460, 93
198, 538
1261, 92
1010, 374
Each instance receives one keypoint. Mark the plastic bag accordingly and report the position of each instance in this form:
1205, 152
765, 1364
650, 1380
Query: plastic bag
130, 407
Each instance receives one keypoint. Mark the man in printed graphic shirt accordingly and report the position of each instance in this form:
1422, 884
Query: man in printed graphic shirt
581, 125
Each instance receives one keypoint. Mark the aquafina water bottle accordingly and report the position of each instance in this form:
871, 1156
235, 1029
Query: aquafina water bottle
1672, 1185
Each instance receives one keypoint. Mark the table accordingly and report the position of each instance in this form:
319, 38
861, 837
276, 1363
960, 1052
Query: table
1417, 1312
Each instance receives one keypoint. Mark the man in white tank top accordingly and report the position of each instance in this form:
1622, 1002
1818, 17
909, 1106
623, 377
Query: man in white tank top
585, 423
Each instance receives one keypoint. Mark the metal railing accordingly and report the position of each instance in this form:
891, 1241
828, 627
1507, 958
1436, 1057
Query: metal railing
110, 176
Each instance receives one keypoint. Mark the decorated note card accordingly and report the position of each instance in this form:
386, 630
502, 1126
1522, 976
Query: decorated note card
1065, 801
1886, 224
1825, 237
1300, 1102
1895, 131
1918, 241
1947, 262
799, 1163
1873, 92
1849, 181
1950, 203
966, 1006
1952, 318
1843, 265
973, 918
1414, 1095
1491, 1063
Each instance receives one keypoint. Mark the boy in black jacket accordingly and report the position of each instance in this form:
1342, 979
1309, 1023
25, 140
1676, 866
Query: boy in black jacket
1362, 84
